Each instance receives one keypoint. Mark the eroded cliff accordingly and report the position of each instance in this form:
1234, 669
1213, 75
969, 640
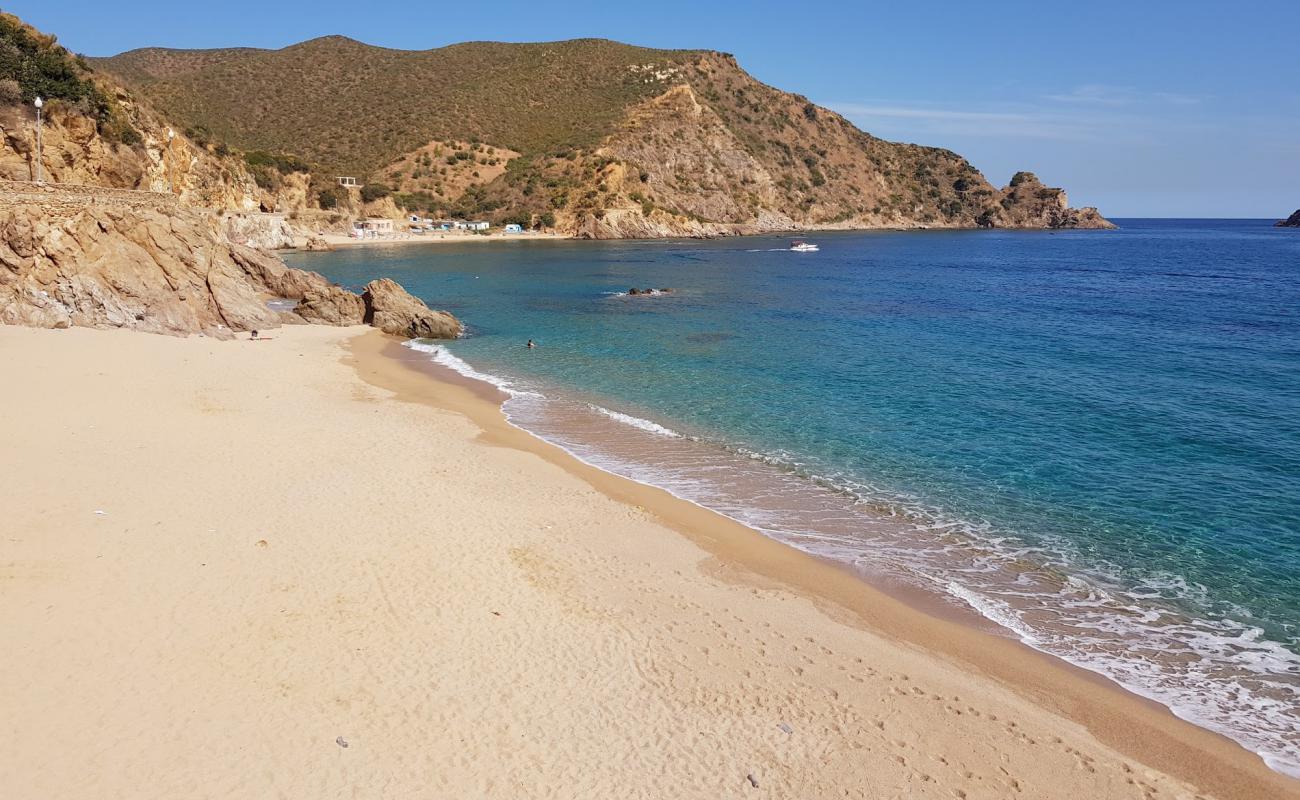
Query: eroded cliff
143, 261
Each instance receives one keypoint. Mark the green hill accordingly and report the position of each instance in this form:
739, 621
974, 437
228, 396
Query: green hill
590, 136
353, 108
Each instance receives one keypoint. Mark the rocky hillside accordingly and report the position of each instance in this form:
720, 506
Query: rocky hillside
96, 133
1292, 221
142, 261
593, 137
133, 228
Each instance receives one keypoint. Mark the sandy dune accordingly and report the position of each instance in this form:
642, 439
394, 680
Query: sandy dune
237, 569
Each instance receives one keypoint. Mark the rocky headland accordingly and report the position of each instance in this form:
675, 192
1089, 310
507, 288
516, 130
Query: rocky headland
141, 260
1292, 221
589, 138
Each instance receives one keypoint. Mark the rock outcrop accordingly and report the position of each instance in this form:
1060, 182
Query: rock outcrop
1292, 221
721, 154
392, 309
1027, 203
166, 270
255, 229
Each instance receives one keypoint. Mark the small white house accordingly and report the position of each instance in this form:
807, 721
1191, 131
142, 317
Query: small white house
477, 226
347, 181
372, 228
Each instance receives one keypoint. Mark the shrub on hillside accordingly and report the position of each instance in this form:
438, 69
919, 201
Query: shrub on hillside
327, 199
282, 162
11, 94
374, 191
265, 177
416, 201
40, 67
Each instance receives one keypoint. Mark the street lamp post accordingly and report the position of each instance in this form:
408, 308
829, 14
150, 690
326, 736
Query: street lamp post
39, 177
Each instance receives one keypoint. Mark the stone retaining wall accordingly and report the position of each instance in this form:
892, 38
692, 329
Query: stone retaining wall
61, 200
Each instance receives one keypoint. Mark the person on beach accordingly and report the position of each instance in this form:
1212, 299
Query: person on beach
531, 344
253, 335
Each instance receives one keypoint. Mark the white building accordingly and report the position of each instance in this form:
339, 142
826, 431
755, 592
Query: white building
372, 228
477, 226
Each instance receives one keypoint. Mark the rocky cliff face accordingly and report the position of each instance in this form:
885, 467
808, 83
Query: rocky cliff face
1292, 221
73, 152
720, 153
164, 269
265, 231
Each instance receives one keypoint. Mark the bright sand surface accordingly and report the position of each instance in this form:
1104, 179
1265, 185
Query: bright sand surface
221, 562
450, 237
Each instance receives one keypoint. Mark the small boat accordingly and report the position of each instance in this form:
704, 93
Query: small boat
800, 246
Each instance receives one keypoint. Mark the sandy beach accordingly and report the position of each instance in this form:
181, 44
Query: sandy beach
305, 567
453, 237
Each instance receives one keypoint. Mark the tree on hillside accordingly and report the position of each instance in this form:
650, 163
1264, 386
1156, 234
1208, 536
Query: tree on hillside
40, 67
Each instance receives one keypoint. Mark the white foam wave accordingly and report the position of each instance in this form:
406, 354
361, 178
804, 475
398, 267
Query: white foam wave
636, 422
444, 357
1221, 676
994, 610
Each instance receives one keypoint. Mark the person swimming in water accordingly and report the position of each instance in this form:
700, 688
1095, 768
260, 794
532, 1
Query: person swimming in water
531, 344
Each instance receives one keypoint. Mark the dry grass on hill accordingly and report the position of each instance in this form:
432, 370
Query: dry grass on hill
352, 107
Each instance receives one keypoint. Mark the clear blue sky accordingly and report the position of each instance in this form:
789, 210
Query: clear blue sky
1143, 108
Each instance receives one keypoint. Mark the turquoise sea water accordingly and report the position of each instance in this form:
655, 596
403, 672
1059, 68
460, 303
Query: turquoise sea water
1090, 438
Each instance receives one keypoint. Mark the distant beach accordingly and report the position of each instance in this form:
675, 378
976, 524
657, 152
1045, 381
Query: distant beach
343, 240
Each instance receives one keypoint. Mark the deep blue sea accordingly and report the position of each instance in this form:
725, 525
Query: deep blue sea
1090, 438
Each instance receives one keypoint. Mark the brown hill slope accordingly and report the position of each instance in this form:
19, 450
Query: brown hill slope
611, 140
348, 106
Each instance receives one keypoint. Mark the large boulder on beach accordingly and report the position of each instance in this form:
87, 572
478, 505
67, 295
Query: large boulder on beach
331, 305
394, 310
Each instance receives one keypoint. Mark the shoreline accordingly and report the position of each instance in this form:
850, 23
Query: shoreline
339, 240
307, 568
1137, 726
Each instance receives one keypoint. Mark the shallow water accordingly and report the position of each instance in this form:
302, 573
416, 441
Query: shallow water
1091, 438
